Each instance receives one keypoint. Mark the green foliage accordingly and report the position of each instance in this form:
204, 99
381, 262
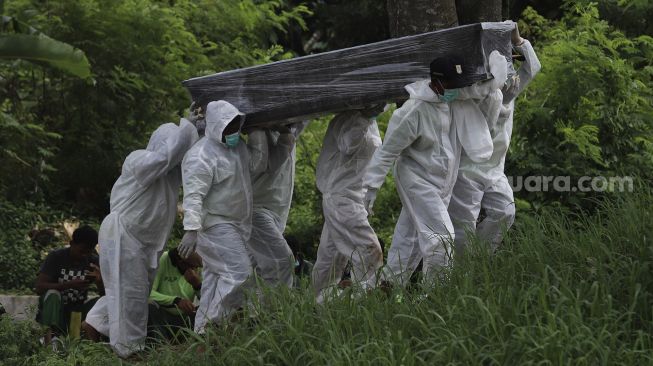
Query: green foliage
18, 340
632, 16
21, 257
305, 220
46, 50
19, 40
588, 113
562, 290
140, 50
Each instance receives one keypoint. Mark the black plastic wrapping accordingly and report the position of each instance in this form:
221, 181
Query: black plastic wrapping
349, 78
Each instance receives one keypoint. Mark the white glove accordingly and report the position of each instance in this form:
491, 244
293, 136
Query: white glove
513, 83
370, 197
188, 243
196, 117
515, 37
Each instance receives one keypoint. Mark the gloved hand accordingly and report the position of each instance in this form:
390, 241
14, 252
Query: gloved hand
517, 40
286, 138
513, 83
196, 117
370, 197
194, 113
188, 243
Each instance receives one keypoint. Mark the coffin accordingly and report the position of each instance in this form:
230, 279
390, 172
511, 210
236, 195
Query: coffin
349, 78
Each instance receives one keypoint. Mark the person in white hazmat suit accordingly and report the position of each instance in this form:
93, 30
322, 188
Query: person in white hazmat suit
425, 146
132, 237
271, 256
218, 212
485, 185
349, 143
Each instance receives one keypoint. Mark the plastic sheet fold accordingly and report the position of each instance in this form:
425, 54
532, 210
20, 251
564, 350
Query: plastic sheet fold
350, 78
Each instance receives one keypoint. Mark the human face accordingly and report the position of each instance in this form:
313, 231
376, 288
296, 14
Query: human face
80, 252
232, 127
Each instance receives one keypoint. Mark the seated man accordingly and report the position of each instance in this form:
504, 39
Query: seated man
64, 279
171, 300
175, 286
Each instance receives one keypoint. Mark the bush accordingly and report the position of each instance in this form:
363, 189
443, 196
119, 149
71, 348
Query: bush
18, 340
562, 290
20, 257
589, 112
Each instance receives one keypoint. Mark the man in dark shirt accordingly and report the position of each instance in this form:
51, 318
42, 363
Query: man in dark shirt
64, 279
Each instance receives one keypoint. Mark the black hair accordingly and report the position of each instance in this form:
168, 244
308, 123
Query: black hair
86, 236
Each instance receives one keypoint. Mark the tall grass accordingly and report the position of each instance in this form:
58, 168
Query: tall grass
562, 290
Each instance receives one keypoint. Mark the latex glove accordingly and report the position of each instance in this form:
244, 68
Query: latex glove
513, 83
286, 139
188, 243
196, 117
194, 113
370, 197
517, 40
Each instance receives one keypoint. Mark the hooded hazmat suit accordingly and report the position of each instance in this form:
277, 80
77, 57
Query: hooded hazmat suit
426, 145
218, 205
133, 235
349, 143
484, 184
271, 256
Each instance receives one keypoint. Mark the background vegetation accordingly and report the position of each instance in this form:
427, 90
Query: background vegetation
563, 290
104, 74
65, 136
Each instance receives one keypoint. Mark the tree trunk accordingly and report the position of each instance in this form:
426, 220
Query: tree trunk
474, 11
408, 17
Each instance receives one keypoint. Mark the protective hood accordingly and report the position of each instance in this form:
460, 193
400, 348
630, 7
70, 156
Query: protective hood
422, 91
160, 135
218, 115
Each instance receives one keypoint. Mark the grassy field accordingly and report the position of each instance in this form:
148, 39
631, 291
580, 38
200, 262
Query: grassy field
563, 290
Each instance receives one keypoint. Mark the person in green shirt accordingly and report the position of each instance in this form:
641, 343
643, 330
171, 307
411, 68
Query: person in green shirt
176, 285
170, 303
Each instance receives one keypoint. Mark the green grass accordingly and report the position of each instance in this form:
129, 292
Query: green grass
563, 290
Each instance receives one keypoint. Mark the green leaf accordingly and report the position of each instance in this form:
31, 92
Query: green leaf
41, 48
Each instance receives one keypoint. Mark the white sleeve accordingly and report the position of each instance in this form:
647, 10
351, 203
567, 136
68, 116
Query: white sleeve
529, 68
197, 178
401, 133
152, 165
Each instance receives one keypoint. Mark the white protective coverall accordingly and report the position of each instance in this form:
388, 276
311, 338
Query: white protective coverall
133, 235
218, 204
271, 256
485, 185
426, 145
349, 143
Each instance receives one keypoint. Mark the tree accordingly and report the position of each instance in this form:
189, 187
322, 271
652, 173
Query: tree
470, 11
418, 16
53, 124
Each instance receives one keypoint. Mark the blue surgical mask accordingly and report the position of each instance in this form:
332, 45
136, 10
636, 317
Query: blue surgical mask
233, 139
450, 95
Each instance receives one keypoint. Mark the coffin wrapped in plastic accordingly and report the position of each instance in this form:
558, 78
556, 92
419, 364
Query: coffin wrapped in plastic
349, 78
